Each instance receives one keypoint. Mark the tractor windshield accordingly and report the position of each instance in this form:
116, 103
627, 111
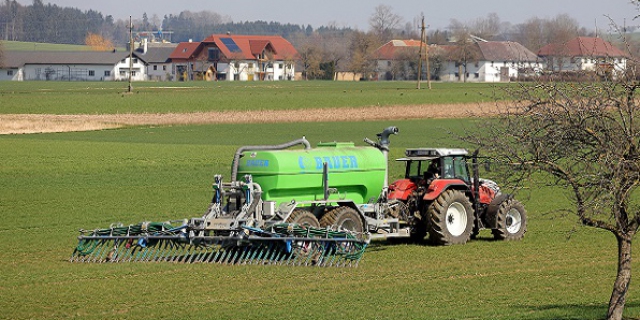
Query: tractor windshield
456, 168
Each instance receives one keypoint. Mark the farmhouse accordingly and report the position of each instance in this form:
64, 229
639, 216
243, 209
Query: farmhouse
67, 66
398, 60
155, 56
478, 61
235, 58
585, 54
487, 61
70, 66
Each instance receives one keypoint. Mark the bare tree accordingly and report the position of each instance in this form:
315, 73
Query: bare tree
335, 51
584, 137
465, 50
535, 32
383, 22
310, 52
487, 28
531, 34
361, 49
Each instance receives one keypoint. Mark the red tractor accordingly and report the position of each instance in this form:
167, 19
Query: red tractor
450, 203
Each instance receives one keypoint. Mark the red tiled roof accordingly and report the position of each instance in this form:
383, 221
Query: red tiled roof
257, 46
250, 45
184, 50
582, 47
389, 50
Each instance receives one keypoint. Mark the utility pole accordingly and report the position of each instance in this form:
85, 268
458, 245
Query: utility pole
420, 54
130, 53
423, 40
426, 55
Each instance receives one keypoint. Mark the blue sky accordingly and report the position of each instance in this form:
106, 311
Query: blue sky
355, 13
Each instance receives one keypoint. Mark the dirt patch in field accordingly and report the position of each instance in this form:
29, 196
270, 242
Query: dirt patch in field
36, 123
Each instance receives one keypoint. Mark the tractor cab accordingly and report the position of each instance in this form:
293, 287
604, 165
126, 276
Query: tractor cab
424, 165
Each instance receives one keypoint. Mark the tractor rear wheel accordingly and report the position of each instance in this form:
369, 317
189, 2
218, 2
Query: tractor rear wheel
304, 218
344, 218
511, 221
451, 218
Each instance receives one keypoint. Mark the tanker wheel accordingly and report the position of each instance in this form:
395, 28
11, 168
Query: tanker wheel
304, 218
451, 217
344, 218
511, 221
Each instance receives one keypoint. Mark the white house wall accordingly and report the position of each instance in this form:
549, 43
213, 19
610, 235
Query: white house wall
249, 70
11, 74
486, 71
67, 72
122, 70
158, 71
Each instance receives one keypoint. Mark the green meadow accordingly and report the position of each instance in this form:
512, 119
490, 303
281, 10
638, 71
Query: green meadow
37, 46
163, 97
54, 184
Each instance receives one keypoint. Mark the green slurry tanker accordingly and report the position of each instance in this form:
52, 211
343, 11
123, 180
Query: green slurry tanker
292, 204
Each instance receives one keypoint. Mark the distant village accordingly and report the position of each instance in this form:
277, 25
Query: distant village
482, 51
226, 57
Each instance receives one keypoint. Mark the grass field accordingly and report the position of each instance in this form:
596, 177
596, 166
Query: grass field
35, 46
54, 184
163, 97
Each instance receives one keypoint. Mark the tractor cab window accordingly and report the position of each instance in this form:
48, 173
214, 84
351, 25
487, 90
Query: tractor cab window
448, 172
456, 168
414, 170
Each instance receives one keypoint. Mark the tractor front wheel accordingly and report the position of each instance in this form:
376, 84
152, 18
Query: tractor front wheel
511, 221
451, 218
344, 218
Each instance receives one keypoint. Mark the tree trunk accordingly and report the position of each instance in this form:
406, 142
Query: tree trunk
621, 285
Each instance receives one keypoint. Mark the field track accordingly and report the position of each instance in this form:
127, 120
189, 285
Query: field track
39, 123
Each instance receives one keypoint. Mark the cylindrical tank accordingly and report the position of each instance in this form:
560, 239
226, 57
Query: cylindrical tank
284, 175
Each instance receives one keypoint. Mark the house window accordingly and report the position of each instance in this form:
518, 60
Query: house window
164, 68
92, 73
236, 65
155, 67
107, 73
9, 72
213, 54
135, 60
123, 73
280, 65
133, 73
477, 75
251, 65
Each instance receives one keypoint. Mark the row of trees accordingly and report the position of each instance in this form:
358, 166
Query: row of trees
50, 23
53, 24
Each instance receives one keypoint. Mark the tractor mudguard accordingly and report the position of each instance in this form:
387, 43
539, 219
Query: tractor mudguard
402, 189
491, 213
439, 186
